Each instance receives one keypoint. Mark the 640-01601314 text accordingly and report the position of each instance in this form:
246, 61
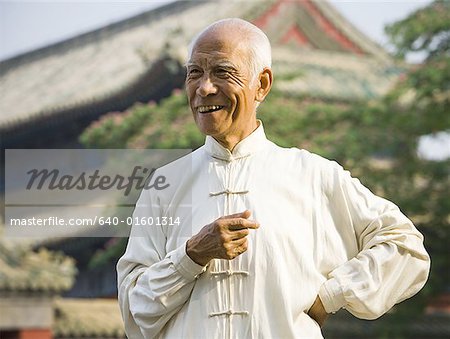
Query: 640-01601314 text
96, 221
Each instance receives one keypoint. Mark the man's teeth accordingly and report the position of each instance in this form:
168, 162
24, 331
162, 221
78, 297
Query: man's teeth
204, 109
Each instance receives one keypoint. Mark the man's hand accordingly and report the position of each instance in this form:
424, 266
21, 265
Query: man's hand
225, 238
317, 312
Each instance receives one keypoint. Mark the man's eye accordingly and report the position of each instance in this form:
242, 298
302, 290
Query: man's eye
194, 71
222, 72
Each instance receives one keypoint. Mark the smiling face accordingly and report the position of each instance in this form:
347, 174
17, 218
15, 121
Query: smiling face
222, 96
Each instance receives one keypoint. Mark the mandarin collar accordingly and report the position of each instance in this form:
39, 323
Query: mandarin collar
243, 148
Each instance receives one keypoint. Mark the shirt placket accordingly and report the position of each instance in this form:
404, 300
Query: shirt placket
229, 192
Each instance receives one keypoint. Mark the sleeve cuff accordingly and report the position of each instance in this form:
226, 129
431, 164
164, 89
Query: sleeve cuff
331, 295
185, 265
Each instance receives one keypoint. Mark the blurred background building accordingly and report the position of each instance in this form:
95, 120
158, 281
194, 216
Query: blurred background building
72, 83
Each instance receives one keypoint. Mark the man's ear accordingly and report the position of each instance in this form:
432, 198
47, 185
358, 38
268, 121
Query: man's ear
264, 84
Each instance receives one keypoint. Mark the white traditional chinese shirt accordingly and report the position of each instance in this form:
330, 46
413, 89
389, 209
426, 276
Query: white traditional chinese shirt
321, 232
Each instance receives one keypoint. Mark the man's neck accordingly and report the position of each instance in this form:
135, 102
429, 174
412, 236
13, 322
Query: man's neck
230, 141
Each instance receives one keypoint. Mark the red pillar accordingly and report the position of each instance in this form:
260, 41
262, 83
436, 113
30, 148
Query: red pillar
35, 334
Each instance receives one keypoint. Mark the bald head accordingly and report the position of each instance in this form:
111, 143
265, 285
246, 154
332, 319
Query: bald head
246, 36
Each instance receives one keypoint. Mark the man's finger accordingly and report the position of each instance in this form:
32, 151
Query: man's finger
240, 223
245, 214
239, 242
240, 246
238, 234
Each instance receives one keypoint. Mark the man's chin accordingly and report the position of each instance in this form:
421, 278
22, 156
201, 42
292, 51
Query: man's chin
209, 122
209, 129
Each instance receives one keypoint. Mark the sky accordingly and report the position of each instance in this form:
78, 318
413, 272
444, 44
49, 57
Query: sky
27, 25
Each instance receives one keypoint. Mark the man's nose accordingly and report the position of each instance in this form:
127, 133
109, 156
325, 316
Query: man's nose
206, 87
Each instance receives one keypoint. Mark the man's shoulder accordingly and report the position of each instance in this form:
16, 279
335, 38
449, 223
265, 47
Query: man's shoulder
184, 161
177, 174
302, 157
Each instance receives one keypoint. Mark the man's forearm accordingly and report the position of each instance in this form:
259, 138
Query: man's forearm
153, 294
317, 312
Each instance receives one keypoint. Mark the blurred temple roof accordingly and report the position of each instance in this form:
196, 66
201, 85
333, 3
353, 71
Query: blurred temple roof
316, 53
37, 272
87, 318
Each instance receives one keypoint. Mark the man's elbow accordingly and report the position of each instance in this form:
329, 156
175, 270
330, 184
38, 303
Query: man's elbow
369, 311
409, 280
420, 271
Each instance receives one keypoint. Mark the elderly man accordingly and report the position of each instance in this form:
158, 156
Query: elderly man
270, 240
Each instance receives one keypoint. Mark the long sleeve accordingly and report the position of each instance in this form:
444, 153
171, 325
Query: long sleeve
153, 285
392, 264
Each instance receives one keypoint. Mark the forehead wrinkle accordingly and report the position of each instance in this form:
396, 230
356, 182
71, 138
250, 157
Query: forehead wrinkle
214, 63
225, 63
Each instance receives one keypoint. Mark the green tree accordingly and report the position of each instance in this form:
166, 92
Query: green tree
420, 106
